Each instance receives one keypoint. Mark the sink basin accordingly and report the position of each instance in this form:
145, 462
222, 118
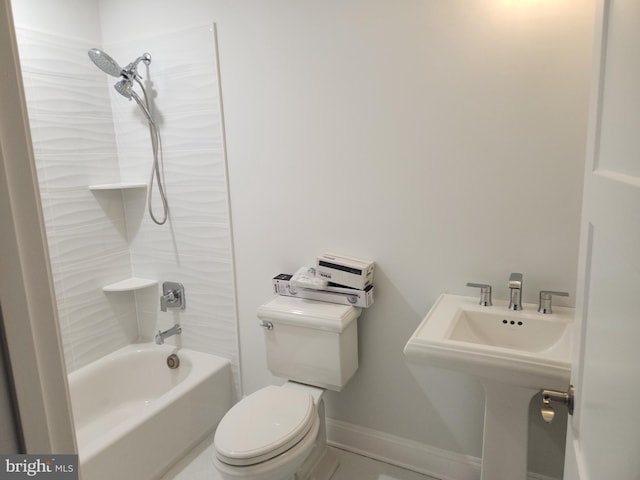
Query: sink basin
513, 354
497, 330
523, 348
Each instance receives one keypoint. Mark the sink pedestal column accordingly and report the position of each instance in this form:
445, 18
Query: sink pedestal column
506, 426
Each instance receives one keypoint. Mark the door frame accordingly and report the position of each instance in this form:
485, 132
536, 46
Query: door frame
26, 288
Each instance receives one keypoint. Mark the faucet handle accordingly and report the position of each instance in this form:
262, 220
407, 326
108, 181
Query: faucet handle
545, 300
485, 293
172, 296
167, 300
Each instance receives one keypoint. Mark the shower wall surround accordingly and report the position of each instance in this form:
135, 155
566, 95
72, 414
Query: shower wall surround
75, 146
85, 133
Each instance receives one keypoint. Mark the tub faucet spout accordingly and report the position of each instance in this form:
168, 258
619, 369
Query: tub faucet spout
160, 336
515, 287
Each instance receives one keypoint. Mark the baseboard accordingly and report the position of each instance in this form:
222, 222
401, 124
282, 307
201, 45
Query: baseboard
415, 456
401, 452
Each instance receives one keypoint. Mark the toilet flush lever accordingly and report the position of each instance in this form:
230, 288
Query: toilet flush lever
563, 398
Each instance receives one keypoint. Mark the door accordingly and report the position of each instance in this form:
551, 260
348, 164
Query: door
603, 438
10, 439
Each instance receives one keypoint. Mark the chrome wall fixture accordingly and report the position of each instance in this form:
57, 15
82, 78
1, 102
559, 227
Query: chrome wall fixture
128, 75
173, 296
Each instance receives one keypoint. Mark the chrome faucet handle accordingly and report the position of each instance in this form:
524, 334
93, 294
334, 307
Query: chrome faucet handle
172, 296
545, 300
167, 300
485, 293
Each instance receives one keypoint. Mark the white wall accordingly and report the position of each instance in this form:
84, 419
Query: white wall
442, 138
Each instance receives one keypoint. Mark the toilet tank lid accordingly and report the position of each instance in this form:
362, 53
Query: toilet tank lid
308, 313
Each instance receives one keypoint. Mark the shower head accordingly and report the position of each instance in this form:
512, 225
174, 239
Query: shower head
105, 63
125, 88
109, 66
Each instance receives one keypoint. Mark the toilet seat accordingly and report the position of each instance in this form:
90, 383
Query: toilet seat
263, 425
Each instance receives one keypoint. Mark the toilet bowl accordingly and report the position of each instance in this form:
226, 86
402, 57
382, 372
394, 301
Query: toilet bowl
279, 433
271, 434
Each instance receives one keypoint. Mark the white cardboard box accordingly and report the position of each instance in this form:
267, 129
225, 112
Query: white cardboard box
348, 271
331, 293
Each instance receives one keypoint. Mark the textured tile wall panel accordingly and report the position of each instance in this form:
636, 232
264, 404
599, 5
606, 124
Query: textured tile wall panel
76, 208
74, 145
196, 248
188, 131
198, 203
73, 170
92, 240
181, 167
67, 134
194, 239
55, 55
77, 96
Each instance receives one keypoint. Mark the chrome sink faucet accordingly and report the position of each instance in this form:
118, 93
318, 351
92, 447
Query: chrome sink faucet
515, 287
160, 336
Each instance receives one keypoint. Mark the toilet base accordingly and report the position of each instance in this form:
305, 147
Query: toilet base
321, 463
323, 469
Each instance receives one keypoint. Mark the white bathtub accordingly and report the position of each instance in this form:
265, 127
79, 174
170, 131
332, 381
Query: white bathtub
135, 417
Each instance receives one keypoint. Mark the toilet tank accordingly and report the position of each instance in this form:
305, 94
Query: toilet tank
311, 342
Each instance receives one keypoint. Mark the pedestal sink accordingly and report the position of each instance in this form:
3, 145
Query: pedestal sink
514, 354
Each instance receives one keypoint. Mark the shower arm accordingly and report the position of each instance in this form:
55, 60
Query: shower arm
131, 71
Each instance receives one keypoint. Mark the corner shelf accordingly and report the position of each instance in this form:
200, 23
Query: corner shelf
116, 186
133, 283
129, 285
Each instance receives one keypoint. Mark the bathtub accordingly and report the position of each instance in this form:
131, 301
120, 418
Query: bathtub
134, 416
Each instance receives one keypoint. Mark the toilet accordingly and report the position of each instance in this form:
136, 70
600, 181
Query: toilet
278, 433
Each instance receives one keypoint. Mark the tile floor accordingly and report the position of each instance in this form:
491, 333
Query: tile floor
357, 467
198, 465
